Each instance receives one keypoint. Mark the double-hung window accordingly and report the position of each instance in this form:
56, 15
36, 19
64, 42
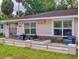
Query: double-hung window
33, 28
57, 27
30, 28
63, 27
27, 28
67, 27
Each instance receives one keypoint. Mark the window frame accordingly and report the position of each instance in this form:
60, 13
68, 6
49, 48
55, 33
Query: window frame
30, 28
55, 28
67, 25
62, 28
60, 25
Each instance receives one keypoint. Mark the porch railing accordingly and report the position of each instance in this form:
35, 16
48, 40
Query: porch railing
55, 47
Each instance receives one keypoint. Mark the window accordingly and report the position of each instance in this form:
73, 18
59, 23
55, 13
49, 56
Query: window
67, 32
67, 24
63, 27
57, 31
33, 25
30, 28
33, 31
33, 28
57, 27
27, 31
58, 24
27, 26
67, 27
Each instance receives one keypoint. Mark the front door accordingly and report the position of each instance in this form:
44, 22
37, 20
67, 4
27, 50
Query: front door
12, 30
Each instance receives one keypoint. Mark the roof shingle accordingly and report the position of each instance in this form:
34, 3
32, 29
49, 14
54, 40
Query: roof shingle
53, 13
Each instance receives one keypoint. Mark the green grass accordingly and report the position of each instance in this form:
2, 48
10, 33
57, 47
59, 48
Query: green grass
2, 36
12, 52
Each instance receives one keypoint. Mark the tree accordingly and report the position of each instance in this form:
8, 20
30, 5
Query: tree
72, 3
7, 7
3, 17
20, 13
38, 6
62, 5
18, 1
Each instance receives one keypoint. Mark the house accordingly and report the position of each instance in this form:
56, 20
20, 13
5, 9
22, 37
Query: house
48, 24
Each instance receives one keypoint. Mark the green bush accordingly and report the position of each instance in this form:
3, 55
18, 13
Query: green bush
1, 35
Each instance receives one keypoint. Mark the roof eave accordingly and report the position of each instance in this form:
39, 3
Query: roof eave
55, 17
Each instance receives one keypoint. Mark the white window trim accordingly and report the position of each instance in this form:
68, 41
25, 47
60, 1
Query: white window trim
73, 26
52, 27
30, 29
62, 26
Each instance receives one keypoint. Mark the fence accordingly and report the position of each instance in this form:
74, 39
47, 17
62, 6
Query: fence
55, 47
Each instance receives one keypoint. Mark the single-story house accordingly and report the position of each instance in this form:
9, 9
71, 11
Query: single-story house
48, 24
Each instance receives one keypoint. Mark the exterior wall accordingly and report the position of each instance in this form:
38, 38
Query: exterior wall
44, 28
6, 30
20, 28
47, 27
76, 27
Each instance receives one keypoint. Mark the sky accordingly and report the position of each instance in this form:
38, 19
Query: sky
15, 6
0, 5
0, 2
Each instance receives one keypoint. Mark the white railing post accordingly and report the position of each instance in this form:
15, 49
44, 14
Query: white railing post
47, 46
3, 41
14, 42
30, 44
72, 49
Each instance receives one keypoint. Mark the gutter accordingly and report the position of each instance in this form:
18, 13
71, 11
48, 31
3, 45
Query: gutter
40, 18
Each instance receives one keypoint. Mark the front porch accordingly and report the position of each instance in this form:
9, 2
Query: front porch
46, 46
44, 29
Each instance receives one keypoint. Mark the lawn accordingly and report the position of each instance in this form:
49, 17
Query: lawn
12, 52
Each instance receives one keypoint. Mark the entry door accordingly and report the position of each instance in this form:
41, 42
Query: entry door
12, 30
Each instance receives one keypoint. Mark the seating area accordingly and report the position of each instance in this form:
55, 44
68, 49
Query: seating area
53, 39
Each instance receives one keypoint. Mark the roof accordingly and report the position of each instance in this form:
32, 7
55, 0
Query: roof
53, 13
47, 15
